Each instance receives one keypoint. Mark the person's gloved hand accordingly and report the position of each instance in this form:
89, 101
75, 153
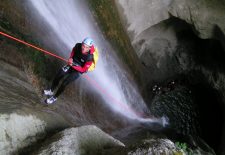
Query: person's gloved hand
65, 68
70, 61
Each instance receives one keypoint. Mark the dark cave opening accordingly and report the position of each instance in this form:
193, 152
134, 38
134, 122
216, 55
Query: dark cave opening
210, 114
209, 55
205, 57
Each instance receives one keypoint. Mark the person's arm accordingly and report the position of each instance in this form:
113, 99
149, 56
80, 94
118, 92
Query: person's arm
84, 68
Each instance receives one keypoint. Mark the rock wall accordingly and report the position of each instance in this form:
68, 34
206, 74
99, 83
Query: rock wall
152, 36
139, 16
90, 139
81, 140
22, 119
19, 131
205, 16
180, 37
154, 27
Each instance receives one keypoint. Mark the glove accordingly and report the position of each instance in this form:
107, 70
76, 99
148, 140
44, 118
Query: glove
65, 68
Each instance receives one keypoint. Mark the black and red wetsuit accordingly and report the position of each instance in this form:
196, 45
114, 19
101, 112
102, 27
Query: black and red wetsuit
82, 63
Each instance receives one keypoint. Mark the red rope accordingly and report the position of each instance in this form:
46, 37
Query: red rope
88, 78
35, 47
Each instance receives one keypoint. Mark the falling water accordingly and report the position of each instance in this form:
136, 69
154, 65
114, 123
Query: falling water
72, 21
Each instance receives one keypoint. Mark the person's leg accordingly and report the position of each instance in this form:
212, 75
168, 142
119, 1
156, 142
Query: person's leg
73, 75
57, 78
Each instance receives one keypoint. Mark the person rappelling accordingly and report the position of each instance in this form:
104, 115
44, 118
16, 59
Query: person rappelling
83, 58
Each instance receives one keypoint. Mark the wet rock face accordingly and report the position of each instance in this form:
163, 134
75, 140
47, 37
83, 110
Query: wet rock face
18, 131
186, 37
155, 28
139, 16
164, 146
81, 140
21, 123
155, 146
89, 139
206, 16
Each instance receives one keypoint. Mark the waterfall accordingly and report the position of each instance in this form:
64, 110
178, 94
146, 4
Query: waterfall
72, 21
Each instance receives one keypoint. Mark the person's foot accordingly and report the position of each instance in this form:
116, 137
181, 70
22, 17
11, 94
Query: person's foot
48, 92
51, 100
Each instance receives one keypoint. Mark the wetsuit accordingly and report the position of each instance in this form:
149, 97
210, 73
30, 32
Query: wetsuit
81, 63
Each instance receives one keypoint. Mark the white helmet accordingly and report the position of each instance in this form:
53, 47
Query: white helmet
88, 41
